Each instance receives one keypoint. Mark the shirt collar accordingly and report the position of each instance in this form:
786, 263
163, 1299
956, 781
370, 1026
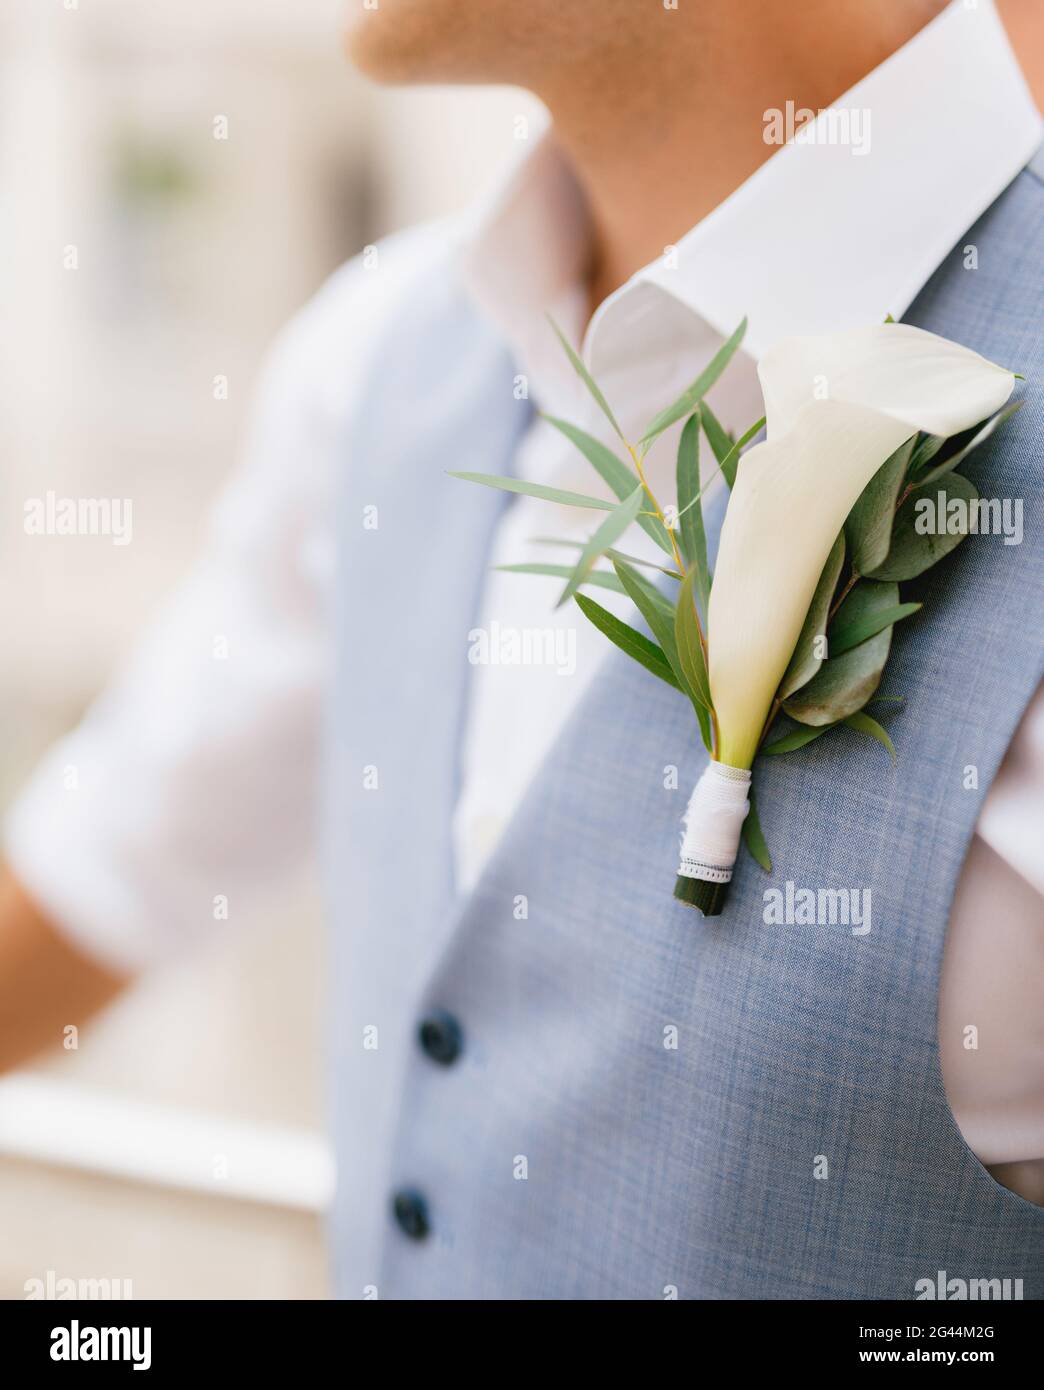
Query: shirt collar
821, 237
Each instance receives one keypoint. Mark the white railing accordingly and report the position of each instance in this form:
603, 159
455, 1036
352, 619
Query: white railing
74, 1126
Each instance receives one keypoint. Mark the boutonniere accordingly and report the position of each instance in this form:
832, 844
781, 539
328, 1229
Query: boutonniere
827, 516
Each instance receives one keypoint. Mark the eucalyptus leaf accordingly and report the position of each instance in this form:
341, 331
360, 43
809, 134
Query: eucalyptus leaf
693, 536
754, 836
868, 527
602, 578
844, 637
863, 724
692, 396
978, 436
614, 525
789, 743
586, 377
805, 662
634, 643
615, 472
926, 450
546, 494
690, 648
911, 551
844, 683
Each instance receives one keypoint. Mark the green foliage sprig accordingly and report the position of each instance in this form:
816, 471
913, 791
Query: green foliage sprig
840, 655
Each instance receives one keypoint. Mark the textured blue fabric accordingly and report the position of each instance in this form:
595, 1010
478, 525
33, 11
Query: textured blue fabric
649, 1168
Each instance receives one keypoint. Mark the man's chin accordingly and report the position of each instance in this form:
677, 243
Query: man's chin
438, 40
406, 42
375, 51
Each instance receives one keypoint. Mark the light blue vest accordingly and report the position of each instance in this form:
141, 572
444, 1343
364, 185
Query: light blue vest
566, 1151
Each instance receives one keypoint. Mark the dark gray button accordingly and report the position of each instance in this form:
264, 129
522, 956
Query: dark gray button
411, 1212
441, 1038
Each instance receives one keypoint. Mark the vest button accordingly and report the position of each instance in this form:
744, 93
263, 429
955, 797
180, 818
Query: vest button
440, 1037
411, 1212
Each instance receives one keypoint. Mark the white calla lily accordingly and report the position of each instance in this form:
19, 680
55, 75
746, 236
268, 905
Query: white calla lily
919, 379
792, 493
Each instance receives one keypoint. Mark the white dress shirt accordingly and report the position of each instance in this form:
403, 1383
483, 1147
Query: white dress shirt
194, 776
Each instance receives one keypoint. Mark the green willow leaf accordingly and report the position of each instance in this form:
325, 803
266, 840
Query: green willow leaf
693, 536
863, 724
979, 434
690, 648
703, 716
635, 644
868, 527
614, 525
844, 683
655, 608
844, 638
602, 578
911, 551
722, 446
806, 662
546, 494
586, 377
659, 613
692, 396
611, 555
789, 743
615, 472
728, 460
754, 836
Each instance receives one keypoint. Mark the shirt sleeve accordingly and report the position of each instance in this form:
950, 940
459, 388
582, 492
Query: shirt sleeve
189, 789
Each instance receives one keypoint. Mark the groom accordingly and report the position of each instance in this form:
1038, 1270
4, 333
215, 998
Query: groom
551, 1079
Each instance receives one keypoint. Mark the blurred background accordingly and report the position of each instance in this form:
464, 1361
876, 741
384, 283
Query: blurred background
181, 1145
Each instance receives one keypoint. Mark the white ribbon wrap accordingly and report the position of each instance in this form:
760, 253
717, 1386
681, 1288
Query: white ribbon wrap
713, 823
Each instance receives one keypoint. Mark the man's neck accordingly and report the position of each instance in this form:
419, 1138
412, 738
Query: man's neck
660, 143
1024, 21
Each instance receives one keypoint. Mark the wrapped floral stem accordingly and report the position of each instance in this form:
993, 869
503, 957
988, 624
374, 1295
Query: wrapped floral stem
713, 824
